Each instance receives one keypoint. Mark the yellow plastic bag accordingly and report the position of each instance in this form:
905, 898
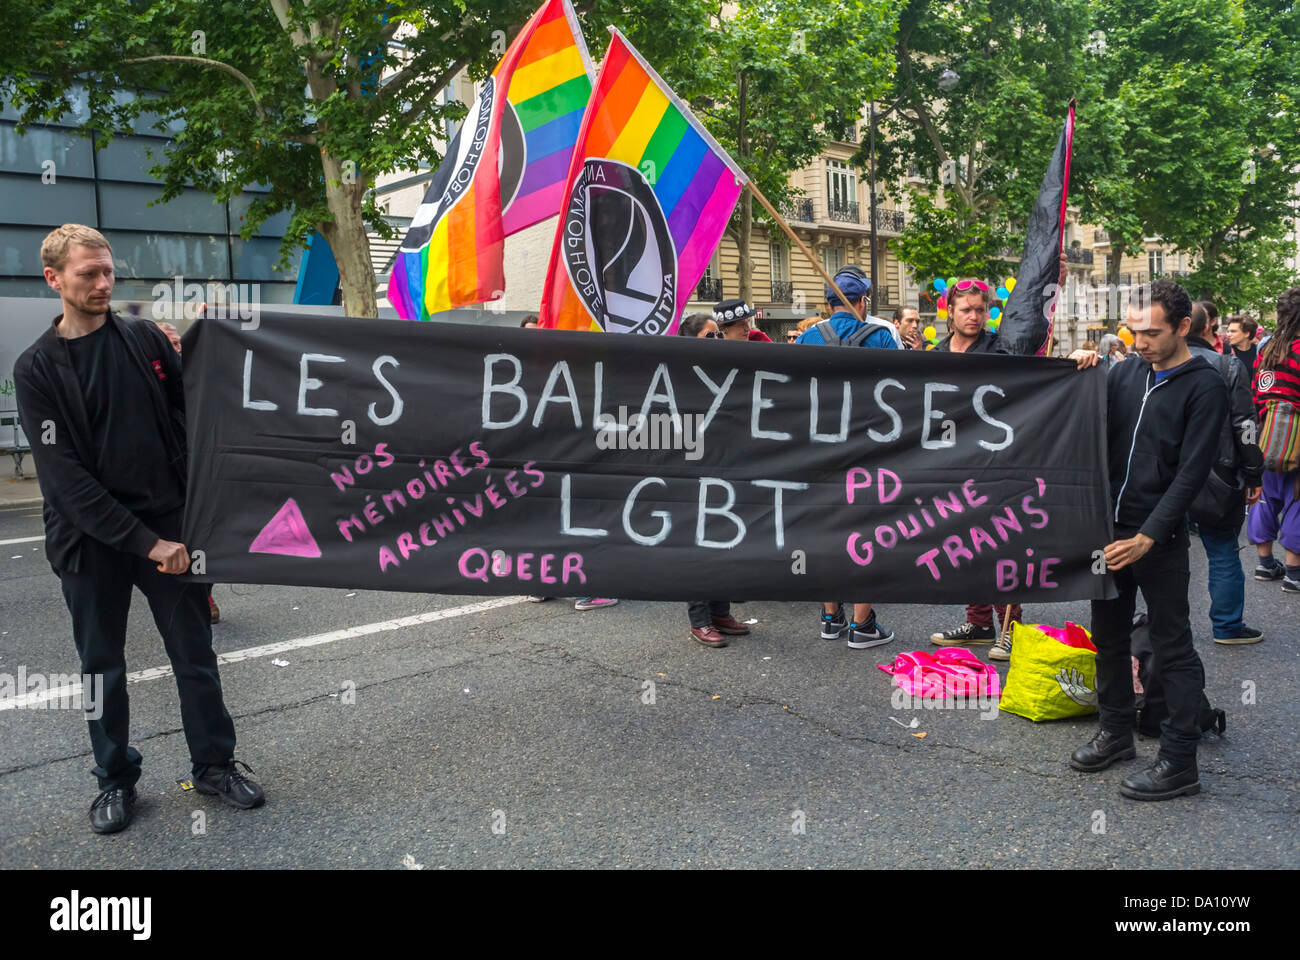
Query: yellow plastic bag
1053, 672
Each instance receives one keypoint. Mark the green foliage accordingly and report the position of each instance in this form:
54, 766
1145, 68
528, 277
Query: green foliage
939, 243
989, 136
783, 76
1203, 95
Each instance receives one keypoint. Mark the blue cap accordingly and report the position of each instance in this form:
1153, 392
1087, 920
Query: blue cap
853, 281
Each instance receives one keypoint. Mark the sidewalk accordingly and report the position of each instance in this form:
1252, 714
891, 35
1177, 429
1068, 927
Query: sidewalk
16, 492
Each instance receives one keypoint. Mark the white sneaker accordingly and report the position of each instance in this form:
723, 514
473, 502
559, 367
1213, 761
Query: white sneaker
1002, 649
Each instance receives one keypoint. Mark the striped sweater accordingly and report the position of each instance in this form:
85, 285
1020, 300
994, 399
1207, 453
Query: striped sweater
1282, 383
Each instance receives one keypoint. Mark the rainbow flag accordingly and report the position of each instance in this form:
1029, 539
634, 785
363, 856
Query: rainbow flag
646, 200
502, 161
545, 102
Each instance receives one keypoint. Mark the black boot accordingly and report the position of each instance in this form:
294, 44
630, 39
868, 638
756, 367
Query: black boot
1103, 750
1163, 780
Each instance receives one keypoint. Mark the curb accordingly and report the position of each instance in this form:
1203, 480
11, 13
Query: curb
32, 502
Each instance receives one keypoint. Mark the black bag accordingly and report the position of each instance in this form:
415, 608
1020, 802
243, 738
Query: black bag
1219, 505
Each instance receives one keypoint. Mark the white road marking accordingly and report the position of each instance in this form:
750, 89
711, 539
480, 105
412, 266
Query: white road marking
5, 543
67, 692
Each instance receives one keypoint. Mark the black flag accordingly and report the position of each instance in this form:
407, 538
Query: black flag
1026, 326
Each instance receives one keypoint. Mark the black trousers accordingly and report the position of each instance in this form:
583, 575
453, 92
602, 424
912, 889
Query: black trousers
99, 597
702, 612
1162, 576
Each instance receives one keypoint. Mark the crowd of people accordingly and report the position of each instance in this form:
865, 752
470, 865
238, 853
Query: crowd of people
1185, 405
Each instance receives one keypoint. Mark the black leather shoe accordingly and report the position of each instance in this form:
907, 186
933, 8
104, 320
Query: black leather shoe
1163, 780
113, 810
1103, 750
230, 785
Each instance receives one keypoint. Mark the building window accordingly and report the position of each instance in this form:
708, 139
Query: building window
832, 258
780, 262
1155, 263
841, 186
1106, 267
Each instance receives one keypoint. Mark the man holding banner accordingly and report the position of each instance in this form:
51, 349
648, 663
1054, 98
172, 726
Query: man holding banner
113, 473
1160, 455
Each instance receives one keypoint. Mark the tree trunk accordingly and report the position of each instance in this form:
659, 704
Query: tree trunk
347, 238
745, 264
743, 238
1115, 316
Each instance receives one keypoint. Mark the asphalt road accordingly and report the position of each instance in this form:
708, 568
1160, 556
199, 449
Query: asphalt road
518, 735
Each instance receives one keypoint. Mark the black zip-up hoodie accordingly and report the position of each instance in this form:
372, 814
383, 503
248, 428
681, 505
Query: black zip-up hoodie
51, 403
1162, 439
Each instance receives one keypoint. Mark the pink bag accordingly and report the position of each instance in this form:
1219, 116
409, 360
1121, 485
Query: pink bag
949, 671
1072, 635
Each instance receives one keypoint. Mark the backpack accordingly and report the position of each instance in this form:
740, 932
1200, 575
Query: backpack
1219, 499
856, 338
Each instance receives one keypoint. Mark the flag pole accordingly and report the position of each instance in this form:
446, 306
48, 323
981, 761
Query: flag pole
780, 221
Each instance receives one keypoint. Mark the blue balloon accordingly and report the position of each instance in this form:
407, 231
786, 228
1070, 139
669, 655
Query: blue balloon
1003, 293
940, 284
995, 312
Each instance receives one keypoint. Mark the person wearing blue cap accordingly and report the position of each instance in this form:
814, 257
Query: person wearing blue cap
844, 329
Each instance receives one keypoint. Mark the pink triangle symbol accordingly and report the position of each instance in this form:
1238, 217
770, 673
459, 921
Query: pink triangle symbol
286, 533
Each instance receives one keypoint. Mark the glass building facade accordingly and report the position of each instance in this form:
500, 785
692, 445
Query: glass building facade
51, 175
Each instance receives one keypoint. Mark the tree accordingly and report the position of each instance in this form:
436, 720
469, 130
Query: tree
982, 91
783, 77
311, 98
1204, 93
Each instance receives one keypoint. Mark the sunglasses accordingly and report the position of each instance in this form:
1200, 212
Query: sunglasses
791, 337
967, 284
712, 336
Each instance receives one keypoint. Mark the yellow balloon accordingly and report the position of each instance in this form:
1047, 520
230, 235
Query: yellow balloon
943, 314
928, 333
1126, 336
1011, 283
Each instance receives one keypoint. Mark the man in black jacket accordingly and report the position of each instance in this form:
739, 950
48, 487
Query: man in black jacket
1234, 482
104, 395
1162, 436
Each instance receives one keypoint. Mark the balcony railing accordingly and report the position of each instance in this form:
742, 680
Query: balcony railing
1100, 236
845, 211
800, 208
709, 290
848, 135
891, 220
782, 291
883, 295
1078, 255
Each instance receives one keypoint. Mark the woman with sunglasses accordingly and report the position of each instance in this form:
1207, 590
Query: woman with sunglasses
699, 325
711, 620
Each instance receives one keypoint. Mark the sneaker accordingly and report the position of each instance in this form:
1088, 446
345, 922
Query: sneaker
214, 610
592, 603
225, 781
113, 810
1242, 634
708, 636
869, 634
967, 633
537, 599
1270, 571
1290, 586
834, 624
1001, 650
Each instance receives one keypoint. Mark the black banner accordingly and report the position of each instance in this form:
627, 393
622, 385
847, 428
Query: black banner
466, 459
